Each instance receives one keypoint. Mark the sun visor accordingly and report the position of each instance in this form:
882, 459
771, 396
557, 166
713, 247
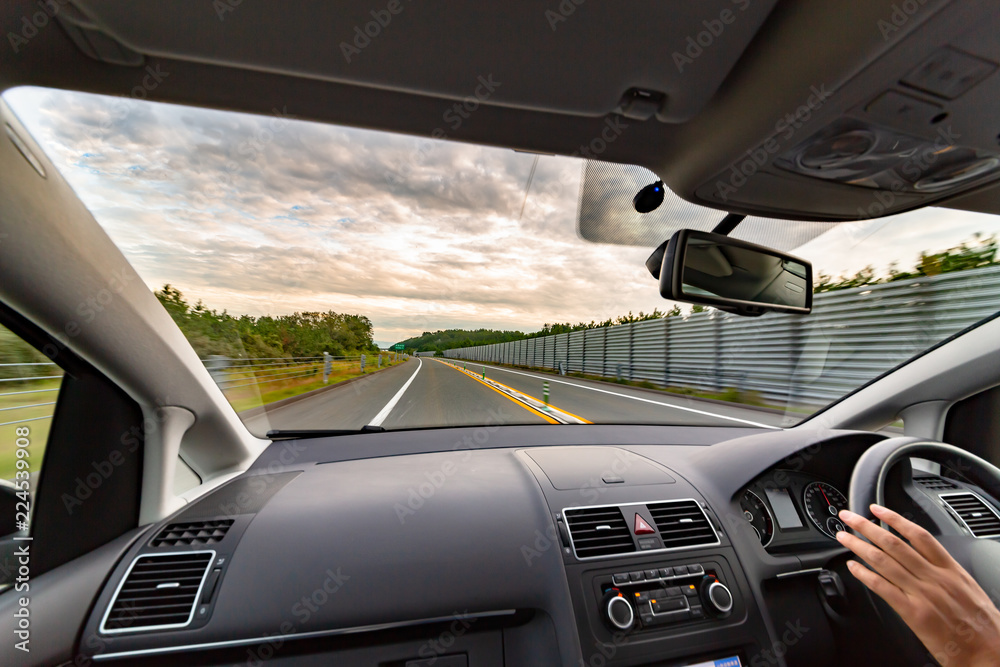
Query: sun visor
606, 214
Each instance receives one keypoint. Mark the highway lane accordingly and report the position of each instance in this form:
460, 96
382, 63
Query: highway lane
437, 395
427, 392
606, 403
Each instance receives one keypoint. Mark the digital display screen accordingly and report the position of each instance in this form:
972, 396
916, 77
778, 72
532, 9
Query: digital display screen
784, 509
721, 662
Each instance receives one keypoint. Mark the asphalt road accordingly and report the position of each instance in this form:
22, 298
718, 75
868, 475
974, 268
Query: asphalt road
429, 392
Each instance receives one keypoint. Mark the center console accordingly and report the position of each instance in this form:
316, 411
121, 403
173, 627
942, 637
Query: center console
653, 577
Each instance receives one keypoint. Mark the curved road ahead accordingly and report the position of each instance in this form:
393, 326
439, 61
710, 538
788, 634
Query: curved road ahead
431, 392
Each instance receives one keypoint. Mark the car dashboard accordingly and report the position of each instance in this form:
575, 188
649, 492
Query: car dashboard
514, 546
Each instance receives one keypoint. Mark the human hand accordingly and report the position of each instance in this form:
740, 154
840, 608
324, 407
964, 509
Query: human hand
934, 595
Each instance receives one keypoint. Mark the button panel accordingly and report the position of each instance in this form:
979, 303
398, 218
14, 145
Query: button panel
660, 574
664, 596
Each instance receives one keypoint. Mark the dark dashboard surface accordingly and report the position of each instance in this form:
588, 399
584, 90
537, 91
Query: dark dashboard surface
489, 547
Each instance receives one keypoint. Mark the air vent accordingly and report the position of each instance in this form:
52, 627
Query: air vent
934, 482
682, 524
981, 519
192, 533
599, 531
158, 592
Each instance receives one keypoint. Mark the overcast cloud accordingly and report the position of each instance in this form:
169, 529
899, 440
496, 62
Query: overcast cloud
268, 215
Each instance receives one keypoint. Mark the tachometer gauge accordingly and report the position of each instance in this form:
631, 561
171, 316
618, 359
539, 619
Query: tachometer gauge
756, 512
823, 503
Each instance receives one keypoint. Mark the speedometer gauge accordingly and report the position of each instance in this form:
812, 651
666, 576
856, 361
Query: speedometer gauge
823, 503
756, 512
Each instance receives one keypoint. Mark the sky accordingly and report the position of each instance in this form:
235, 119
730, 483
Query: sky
272, 215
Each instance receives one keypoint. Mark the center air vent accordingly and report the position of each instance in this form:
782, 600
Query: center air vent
192, 533
933, 482
599, 531
981, 519
159, 592
682, 523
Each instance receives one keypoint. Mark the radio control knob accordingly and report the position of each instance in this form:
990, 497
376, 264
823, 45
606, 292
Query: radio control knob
716, 598
618, 612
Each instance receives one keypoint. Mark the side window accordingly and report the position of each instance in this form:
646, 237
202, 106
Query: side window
29, 387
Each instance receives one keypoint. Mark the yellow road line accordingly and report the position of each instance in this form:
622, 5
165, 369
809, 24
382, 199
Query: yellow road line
541, 414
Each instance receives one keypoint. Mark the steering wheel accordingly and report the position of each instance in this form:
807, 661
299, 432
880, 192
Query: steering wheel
978, 556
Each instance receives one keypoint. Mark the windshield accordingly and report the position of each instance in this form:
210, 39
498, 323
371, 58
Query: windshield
335, 278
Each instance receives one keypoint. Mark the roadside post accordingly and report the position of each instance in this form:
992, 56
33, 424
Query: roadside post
217, 365
379, 361
484, 372
545, 393
362, 363
327, 367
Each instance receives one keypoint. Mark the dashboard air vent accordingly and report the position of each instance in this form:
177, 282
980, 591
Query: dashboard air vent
192, 533
682, 523
933, 482
159, 591
981, 519
599, 531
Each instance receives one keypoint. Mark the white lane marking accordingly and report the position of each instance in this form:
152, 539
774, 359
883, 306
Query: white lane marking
380, 417
637, 398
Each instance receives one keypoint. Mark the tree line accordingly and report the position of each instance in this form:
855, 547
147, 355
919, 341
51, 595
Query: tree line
306, 334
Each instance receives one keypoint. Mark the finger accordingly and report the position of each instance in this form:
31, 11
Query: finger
879, 586
899, 550
880, 561
921, 540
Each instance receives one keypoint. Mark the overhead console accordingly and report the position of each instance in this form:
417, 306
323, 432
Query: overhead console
915, 125
652, 573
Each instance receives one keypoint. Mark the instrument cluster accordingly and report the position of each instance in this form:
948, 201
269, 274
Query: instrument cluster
791, 509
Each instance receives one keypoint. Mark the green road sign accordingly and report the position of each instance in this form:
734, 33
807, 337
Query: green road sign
399, 347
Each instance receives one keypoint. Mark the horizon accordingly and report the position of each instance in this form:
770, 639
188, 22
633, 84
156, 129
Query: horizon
270, 215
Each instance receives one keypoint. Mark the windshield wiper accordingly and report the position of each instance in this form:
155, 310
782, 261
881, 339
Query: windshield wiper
295, 434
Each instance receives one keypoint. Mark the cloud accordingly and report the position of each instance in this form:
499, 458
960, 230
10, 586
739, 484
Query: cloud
266, 214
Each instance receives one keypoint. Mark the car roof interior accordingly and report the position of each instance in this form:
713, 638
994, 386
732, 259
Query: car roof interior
693, 104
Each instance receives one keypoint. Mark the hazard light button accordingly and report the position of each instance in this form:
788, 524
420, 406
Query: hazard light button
641, 527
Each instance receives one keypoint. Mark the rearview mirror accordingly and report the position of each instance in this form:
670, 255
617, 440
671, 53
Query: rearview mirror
731, 275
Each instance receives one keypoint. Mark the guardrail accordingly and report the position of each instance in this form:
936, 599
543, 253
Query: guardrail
26, 390
851, 337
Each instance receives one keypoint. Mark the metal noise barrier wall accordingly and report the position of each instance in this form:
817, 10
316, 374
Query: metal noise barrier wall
851, 337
